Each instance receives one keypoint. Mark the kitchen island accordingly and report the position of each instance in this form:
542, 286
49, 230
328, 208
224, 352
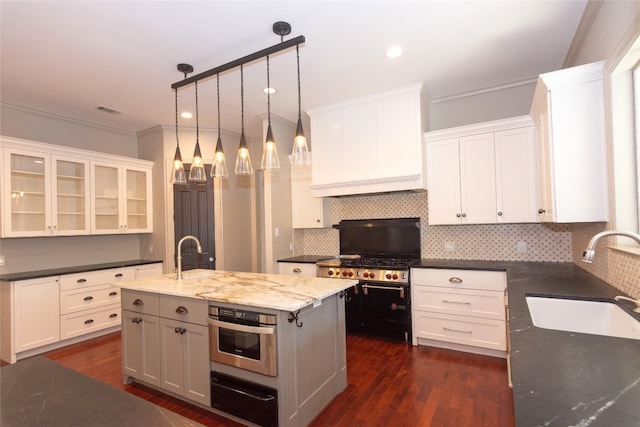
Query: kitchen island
167, 335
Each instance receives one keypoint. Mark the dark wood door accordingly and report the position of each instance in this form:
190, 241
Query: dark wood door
193, 215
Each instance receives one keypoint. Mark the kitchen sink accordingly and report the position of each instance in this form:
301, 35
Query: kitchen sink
584, 316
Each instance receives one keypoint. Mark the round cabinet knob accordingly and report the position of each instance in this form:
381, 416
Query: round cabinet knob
458, 215
500, 213
464, 215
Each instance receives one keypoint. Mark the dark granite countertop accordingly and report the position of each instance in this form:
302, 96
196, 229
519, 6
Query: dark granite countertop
40, 392
26, 275
564, 378
307, 259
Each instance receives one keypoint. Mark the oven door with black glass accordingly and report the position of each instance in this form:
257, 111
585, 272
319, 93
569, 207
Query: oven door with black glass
386, 309
243, 339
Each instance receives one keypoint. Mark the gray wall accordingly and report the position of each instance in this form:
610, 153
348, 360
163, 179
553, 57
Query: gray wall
27, 254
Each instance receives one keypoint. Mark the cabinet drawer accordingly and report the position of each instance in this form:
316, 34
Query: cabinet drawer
74, 324
140, 302
460, 279
486, 304
87, 298
297, 269
93, 278
184, 309
487, 333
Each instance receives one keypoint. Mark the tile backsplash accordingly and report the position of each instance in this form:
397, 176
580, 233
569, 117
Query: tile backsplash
551, 243
621, 270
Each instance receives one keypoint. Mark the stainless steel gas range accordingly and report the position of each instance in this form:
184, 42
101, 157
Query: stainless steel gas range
378, 253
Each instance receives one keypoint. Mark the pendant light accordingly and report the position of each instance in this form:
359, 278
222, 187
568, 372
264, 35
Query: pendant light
300, 155
219, 166
177, 173
243, 161
197, 172
270, 152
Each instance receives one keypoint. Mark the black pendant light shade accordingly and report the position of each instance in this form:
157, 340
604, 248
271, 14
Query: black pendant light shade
243, 160
300, 154
219, 166
177, 171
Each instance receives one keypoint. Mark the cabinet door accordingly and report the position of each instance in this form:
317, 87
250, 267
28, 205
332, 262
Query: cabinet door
516, 197
477, 179
443, 175
545, 170
140, 346
400, 137
329, 160
106, 201
26, 193
36, 313
148, 270
307, 211
197, 383
137, 205
172, 357
70, 196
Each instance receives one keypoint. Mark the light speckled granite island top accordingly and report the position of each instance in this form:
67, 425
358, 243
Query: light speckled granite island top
274, 291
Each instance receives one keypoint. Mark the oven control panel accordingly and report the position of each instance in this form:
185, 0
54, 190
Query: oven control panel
373, 275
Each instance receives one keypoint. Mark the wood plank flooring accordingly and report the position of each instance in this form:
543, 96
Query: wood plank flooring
389, 384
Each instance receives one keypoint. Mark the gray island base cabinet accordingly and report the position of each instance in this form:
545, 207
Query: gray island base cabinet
310, 337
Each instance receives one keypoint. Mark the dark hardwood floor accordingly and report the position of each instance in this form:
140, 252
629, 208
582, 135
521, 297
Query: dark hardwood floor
389, 384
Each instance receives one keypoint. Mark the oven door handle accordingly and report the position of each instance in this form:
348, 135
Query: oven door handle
266, 330
387, 288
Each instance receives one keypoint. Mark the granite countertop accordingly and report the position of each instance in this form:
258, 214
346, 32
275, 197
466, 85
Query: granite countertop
40, 392
36, 274
274, 291
307, 259
564, 378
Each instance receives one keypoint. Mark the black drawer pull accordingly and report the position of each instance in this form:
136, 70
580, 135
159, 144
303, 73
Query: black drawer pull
88, 321
136, 320
118, 275
297, 270
138, 301
89, 298
182, 310
81, 281
113, 316
113, 294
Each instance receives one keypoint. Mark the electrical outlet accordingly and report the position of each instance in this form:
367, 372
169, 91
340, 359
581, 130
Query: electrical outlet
449, 246
522, 247
1, 260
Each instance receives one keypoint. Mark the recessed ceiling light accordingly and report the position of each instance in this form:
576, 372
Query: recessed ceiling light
186, 115
394, 52
269, 90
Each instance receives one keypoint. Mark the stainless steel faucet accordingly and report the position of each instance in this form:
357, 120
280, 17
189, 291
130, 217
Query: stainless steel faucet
198, 248
589, 253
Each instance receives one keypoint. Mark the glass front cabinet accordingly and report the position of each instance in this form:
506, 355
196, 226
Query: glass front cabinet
58, 191
44, 194
121, 199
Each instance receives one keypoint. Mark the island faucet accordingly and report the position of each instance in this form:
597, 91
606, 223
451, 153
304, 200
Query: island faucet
589, 253
198, 248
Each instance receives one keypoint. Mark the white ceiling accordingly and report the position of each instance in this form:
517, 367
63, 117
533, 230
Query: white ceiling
69, 57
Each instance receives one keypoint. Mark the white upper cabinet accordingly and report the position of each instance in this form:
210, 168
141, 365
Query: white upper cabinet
307, 211
121, 197
47, 190
370, 144
44, 194
568, 110
483, 173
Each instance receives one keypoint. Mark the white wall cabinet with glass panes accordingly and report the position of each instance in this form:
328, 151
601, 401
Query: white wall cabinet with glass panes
44, 194
121, 198
46, 190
